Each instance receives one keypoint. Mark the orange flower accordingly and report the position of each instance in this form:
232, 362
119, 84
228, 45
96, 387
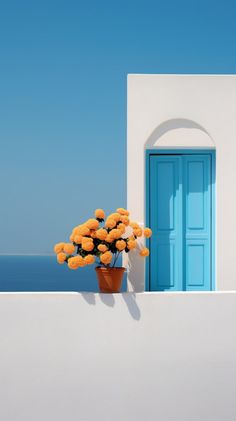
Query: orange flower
102, 247
110, 223
58, 248
120, 245
69, 248
93, 233
124, 219
109, 238
80, 261
84, 239
61, 257
106, 257
138, 232
92, 224
78, 239
83, 230
144, 252
123, 211
73, 262
101, 234
87, 245
147, 232
134, 225
89, 259
76, 230
121, 227
115, 216
99, 213
115, 233
131, 244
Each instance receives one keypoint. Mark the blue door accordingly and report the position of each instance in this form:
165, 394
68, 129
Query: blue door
181, 220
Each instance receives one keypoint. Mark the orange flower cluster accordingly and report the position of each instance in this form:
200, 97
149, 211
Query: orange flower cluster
102, 238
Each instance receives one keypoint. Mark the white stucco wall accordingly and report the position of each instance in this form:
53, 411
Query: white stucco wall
184, 111
150, 356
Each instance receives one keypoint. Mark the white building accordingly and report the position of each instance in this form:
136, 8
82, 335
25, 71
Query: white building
180, 179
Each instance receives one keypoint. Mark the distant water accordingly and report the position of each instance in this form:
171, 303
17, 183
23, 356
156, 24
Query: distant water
43, 273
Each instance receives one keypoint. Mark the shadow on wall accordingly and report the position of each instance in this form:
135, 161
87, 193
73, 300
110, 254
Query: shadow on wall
194, 133
109, 301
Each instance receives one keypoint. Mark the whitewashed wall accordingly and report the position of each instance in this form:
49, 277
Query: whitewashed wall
185, 111
150, 356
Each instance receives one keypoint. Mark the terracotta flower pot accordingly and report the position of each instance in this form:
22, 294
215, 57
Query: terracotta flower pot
109, 279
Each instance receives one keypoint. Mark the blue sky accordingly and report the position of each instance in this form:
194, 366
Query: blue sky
63, 75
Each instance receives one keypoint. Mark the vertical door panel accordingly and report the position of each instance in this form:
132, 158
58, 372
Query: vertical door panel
166, 223
197, 222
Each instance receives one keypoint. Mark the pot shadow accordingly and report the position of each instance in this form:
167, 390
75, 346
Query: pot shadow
107, 299
129, 299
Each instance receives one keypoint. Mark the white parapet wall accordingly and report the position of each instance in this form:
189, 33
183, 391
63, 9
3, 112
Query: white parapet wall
129, 357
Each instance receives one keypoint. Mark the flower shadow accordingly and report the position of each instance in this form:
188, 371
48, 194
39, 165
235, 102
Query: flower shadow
130, 300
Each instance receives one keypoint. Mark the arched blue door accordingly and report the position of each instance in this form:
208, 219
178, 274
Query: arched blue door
181, 218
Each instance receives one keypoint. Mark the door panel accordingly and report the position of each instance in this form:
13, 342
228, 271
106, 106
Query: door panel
197, 221
180, 218
166, 223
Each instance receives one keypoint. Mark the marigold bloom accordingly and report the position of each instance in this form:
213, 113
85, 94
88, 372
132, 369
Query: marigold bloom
124, 219
115, 233
120, 245
134, 225
87, 245
78, 239
147, 232
99, 213
73, 262
72, 238
76, 230
83, 230
69, 248
58, 248
115, 216
80, 261
144, 252
138, 232
131, 244
92, 224
106, 257
84, 239
121, 227
93, 233
61, 257
101, 234
102, 247
109, 238
110, 223
123, 211
89, 259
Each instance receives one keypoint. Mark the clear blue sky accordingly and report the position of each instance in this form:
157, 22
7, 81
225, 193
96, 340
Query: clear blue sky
63, 76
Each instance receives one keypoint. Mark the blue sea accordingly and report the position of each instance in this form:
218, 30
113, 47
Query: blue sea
43, 273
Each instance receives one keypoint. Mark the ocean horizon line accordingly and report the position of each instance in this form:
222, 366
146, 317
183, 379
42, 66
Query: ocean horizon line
27, 254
